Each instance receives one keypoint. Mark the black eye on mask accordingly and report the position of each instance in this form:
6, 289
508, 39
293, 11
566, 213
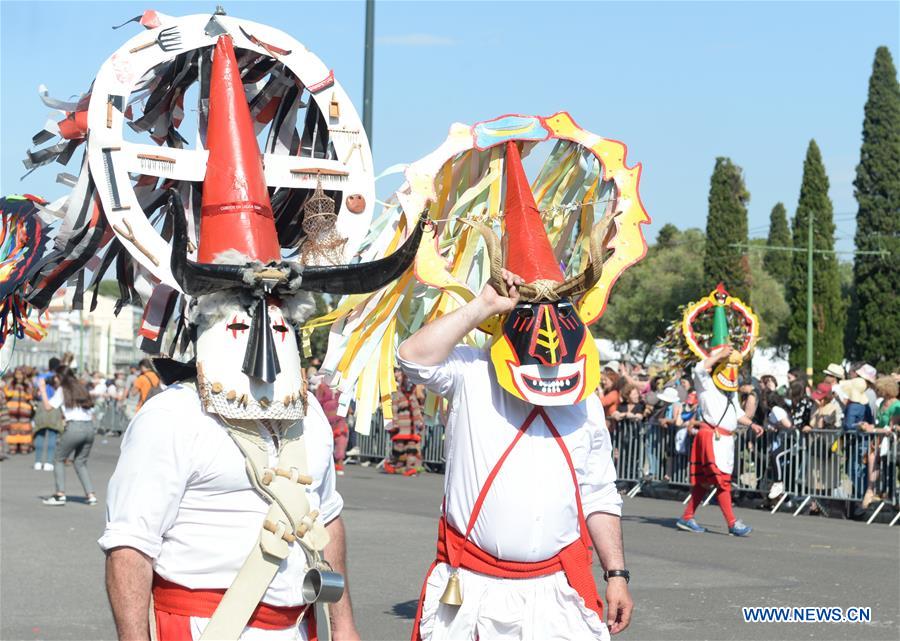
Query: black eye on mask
238, 326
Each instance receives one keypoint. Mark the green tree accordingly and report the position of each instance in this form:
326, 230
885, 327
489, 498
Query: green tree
648, 295
768, 300
829, 309
726, 225
778, 263
876, 312
318, 340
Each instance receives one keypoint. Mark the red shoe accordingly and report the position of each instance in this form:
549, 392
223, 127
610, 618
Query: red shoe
389, 469
411, 472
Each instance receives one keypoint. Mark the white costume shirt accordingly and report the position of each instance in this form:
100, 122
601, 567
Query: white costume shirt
180, 494
717, 410
529, 513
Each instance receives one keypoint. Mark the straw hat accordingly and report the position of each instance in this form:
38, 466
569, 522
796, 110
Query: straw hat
835, 370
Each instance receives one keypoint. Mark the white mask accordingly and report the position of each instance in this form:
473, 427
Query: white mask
223, 337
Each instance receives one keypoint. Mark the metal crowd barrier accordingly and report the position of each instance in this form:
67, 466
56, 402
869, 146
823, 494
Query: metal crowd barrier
109, 417
816, 465
376, 445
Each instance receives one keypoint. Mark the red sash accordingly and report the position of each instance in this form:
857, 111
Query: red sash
704, 471
575, 559
174, 605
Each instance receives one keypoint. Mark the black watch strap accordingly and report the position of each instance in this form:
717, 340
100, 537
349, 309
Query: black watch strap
625, 574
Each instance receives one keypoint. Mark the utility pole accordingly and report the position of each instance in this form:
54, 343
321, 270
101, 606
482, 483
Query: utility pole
809, 298
368, 68
810, 250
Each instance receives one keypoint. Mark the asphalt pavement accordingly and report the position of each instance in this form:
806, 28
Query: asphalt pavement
685, 586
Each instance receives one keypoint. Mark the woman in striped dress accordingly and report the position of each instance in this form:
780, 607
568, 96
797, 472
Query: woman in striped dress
20, 407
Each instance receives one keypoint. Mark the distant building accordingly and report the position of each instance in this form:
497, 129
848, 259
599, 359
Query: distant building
100, 340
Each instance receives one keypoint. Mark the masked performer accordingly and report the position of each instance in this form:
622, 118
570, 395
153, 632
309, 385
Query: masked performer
716, 381
530, 484
223, 504
406, 430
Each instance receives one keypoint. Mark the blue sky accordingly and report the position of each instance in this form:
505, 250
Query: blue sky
679, 82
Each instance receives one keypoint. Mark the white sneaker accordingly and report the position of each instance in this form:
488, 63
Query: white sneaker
55, 500
48, 467
776, 490
38, 466
353, 451
91, 500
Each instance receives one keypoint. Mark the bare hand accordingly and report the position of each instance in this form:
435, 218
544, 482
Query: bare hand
722, 352
618, 605
495, 303
757, 429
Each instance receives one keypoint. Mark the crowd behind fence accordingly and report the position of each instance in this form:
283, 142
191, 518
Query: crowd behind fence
818, 465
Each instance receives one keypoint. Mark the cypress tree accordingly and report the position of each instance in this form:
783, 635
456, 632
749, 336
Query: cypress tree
828, 307
778, 262
876, 312
726, 224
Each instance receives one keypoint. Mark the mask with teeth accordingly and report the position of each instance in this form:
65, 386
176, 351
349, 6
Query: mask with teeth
545, 354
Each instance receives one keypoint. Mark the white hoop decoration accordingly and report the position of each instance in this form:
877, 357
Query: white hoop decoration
112, 159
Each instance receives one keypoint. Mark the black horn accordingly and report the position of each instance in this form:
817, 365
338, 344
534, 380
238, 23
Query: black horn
362, 278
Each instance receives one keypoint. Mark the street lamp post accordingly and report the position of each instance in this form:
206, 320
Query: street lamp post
368, 68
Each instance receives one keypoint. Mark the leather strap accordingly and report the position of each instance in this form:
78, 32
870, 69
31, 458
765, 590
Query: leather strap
287, 517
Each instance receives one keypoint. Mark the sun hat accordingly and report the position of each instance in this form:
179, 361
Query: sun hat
835, 370
668, 395
867, 373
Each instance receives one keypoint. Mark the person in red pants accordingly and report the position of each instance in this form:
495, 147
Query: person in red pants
712, 452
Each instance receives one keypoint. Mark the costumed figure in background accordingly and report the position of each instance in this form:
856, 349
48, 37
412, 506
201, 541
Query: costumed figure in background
340, 431
721, 348
235, 456
529, 484
405, 430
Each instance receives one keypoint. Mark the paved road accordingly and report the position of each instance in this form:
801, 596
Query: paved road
686, 586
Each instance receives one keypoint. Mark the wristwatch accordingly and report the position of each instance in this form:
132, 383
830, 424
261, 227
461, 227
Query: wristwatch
625, 574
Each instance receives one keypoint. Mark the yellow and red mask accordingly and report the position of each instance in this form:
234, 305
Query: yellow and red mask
715, 309
542, 352
545, 354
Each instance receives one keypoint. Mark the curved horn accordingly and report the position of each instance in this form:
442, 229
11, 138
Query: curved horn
362, 278
196, 279
495, 254
578, 285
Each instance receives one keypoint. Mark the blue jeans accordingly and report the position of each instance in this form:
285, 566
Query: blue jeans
40, 437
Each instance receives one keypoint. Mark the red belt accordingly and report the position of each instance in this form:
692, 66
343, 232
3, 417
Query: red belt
721, 431
182, 603
456, 550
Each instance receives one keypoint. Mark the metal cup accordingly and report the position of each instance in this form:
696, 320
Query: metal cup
322, 586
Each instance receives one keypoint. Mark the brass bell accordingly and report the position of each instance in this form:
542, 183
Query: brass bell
453, 592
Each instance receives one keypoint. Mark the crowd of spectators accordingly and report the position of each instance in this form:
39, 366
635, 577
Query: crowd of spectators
56, 412
856, 401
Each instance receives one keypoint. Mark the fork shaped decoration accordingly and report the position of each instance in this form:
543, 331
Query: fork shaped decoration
168, 40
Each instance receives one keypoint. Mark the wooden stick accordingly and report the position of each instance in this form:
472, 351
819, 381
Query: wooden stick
129, 236
146, 45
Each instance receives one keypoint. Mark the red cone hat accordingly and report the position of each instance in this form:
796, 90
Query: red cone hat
528, 250
236, 213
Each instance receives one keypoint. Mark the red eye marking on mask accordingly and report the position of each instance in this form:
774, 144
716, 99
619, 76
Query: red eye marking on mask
237, 326
282, 329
